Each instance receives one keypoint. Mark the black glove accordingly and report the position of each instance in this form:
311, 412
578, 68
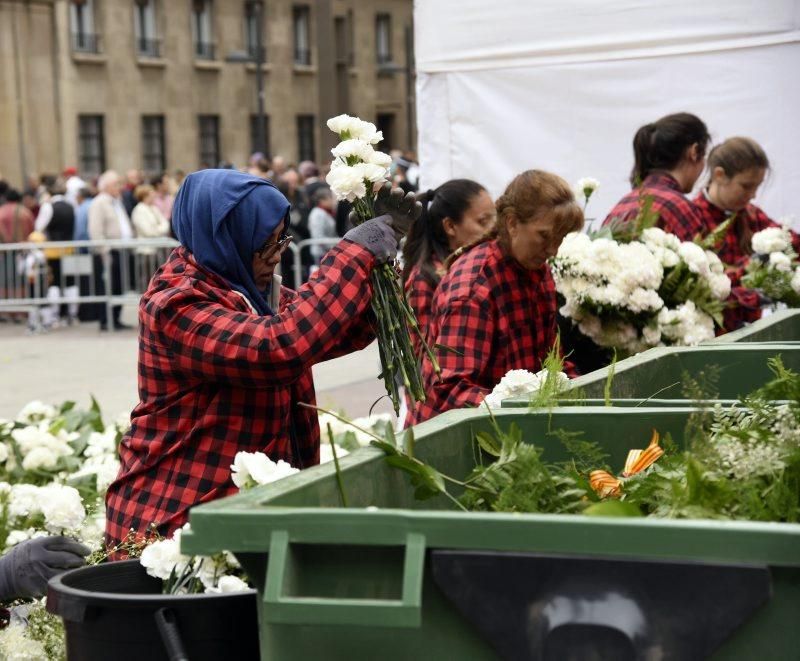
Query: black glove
377, 236
403, 208
26, 568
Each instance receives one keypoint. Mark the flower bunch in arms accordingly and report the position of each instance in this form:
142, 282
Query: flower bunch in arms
359, 174
774, 269
631, 288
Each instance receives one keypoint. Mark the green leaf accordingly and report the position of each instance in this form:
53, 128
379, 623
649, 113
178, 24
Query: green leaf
613, 508
442, 347
409, 441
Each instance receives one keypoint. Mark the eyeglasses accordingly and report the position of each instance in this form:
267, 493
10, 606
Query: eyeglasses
269, 249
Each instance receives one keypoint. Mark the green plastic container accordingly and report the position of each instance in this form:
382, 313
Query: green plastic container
362, 582
657, 375
783, 326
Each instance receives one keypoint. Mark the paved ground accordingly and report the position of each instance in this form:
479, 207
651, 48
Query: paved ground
74, 362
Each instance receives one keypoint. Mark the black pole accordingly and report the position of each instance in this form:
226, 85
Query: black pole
259, 61
410, 87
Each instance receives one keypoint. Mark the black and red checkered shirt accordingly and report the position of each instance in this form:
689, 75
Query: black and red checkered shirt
677, 214
419, 294
497, 315
744, 305
215, 378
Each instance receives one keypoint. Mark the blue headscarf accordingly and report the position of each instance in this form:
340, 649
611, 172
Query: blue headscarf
223, 217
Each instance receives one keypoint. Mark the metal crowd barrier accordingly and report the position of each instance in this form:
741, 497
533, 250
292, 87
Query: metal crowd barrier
67, 274
55, 274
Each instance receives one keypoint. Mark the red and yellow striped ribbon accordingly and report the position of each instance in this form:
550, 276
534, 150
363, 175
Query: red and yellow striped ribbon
608, 486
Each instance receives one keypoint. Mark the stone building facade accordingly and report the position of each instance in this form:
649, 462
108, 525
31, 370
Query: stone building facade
165, 84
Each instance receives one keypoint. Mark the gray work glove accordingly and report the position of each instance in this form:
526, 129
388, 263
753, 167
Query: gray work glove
26, 568
377, 236
403, 208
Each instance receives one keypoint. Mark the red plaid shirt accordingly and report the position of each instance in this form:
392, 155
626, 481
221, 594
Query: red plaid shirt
215, 378
677, 214
419, 293
744, 305
498, 316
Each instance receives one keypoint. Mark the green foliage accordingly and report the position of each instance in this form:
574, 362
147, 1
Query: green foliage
714, 239
626, 231
774, 284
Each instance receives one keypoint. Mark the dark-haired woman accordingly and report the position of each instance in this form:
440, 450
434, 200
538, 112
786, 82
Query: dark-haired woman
669, 157
457, 213
497, 303
737, 168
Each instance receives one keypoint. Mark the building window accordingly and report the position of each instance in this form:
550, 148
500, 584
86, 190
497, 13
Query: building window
305, 138
91, 145
253, 21
385, 123
202, 33
383, 38
302, 34
254, 145
144, 24
81, 23
209, 140
154, 158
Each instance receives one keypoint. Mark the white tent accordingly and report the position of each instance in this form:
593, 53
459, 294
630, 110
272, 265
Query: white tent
563, 85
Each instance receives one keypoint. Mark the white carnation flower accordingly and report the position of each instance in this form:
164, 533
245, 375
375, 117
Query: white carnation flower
35, 411
772, 239
359, 149
694, 256
720, 285
371, 172
40, 457
686, 325
651, 334
780, 262
62, 507
160, 558
250, 468
346, 182
586, 186
23, 501
381, 159
642, 300
347, 127
101, 443
715, 264
796, 280
18, 536
228, 584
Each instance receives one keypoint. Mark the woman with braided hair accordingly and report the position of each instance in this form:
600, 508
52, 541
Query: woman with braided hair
496, 306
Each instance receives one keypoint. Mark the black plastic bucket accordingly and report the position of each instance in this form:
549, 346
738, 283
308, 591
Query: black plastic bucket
116, 611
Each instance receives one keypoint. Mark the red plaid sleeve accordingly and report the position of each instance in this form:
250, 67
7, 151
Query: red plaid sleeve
419, 293
211, 341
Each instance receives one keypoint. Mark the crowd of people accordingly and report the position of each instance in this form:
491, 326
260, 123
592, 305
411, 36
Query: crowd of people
67, 207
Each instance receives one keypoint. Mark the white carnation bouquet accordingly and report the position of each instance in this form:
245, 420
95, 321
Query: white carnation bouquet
634, 287
774, 269
357, 170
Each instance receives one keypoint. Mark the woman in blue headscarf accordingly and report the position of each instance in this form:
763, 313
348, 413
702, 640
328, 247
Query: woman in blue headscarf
225, 353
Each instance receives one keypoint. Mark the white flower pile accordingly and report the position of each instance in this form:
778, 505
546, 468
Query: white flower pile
516, 383
613, 290
59, 508
352, 435
356, 165
253, 468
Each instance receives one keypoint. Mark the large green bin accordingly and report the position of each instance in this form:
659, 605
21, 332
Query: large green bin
657, 375
367, 581
783, 326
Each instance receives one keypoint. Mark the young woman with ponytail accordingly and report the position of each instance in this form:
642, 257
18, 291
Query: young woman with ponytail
495, 309
455, 214
737, 168
669, 157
